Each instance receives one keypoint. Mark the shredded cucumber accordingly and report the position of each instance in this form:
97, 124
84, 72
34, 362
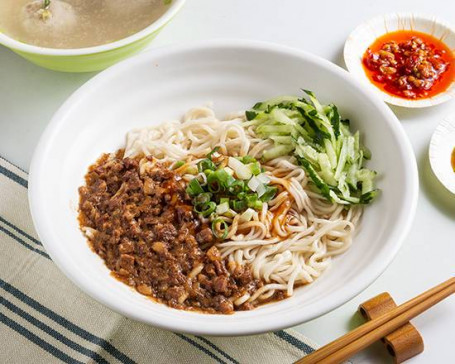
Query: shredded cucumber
322, 143
277, 151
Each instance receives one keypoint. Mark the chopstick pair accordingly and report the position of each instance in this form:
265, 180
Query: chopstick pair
347, 345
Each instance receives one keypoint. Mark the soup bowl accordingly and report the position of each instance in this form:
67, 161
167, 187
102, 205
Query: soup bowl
91, 58
159, 86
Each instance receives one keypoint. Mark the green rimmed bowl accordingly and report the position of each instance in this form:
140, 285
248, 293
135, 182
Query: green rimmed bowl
92, 58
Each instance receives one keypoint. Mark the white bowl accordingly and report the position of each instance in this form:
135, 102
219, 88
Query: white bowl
441, 147
161, 85
366, 33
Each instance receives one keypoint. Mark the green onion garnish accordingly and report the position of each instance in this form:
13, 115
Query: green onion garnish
269, 193
192, 170
255, 168
225, 229
222, 208
236, 187
253, 202
219, 180
257, 205
178, 164
206, 164
239, 205
248, 159
214, 150
202, 198
205, 209
214, 186
194, 188
202, 179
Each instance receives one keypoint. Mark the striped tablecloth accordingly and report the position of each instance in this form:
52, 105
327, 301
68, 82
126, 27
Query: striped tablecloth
44, 318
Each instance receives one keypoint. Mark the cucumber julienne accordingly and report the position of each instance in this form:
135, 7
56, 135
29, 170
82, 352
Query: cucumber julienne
321, 142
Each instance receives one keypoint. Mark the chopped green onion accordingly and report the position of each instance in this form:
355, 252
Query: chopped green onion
202, 178
225, 178
253, 202
241, 170
230, 171
191, 170
263, 178
178, 164
239, 205
247, 215
255, 168
258, 205
202, 198
219, 180
236, 187
222, 208
242, 195
194, 188
227, 191
224, 229
261, 190
214, 150
248, 159
269, 194
254, 183
229, 213
214, 186
206, 164
206, 209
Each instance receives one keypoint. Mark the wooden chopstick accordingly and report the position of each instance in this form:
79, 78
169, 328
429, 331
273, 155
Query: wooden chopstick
358, 339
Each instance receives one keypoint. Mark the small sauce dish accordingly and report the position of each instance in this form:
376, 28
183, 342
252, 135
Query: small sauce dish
442, 152
407, 59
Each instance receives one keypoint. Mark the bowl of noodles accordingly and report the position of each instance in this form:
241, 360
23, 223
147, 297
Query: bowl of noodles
222, 195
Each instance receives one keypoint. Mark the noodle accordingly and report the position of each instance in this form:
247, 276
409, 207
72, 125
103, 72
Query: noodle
292, 240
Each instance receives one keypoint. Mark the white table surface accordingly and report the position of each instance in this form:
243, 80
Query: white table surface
30, 95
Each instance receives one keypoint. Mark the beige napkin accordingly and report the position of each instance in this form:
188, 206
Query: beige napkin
44, 318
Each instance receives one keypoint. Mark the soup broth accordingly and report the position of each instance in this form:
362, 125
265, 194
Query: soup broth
76, 23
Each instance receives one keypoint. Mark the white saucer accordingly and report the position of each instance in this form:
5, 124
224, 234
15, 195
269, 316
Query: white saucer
366, 33
441, 147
